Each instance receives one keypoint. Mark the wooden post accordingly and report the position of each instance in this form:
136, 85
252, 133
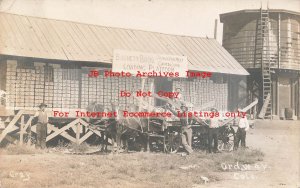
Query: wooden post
22, 130
29, 133
78, 133
141, 101
11, 125
148, 126
142, 89
216, 29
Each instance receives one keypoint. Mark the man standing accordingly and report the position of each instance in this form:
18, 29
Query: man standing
41, 127
117, 127
186, 130
213, 132
243, 126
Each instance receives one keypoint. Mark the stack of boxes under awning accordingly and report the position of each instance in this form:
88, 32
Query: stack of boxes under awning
200, 91
104, 90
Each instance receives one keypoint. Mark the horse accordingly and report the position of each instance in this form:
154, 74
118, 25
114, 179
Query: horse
120, 129
107, 126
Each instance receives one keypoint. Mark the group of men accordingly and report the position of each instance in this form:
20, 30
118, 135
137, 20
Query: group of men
213, 132
213, 125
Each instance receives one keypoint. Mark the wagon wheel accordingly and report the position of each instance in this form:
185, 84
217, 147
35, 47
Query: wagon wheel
200, 138
172, 142
226, 139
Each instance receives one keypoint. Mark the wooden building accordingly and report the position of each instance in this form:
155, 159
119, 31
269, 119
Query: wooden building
44, 60
267, 44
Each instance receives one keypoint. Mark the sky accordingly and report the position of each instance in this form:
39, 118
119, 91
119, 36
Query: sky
180, 17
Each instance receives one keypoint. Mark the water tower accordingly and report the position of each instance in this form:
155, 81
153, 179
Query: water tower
267, 43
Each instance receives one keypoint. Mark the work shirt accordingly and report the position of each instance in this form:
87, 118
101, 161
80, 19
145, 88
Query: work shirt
42, 116
243, 123
117, 113
179, 97
214, 123
115, 108
184, 121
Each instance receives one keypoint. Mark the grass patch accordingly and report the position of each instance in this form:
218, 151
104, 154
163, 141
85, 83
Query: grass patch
140, 169
78, 148
17, 150
71, 147
242, 156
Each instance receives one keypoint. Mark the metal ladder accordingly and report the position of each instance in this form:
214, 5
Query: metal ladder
262, 57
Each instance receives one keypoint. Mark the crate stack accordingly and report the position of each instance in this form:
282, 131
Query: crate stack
115, 90
29, 88
39, 87
91, 88
70, 90
65, 89
103, 90
11, 82
201, 91
58, 88
134, 84
49, 94
25, 84
99, 89
122, 87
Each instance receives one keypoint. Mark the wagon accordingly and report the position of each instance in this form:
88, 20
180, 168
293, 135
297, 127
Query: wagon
165, 135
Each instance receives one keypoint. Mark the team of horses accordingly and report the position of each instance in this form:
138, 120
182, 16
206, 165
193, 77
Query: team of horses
121, 130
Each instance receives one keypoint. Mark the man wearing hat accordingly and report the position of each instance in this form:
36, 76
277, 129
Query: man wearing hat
41, 127
186, 129
243, 127
186, 132
213, 132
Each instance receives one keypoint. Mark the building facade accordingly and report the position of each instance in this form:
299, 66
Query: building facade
267, 44
44, 60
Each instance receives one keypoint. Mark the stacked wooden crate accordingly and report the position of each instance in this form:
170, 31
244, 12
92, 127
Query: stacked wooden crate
201, 91
104, 90
91, 88
65, 88
11, 82
58, 88
39, 87
31, 84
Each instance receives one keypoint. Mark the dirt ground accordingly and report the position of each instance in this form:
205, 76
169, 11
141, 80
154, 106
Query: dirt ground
280, 142
279, 167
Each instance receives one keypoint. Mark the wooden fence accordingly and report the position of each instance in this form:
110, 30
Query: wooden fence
18, 127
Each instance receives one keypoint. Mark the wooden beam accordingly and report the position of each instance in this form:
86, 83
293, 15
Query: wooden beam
29, 132
78, 132
63, 134
82, 122
86, 136
264, 108
21, 130
59, 131
10, 126
28, 123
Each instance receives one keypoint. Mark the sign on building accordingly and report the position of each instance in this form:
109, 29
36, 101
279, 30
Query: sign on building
132, 61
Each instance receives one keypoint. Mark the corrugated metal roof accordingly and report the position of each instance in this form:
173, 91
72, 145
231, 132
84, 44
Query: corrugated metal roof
63, 40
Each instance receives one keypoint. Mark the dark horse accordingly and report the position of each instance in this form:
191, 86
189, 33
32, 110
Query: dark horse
107, 126
120, 129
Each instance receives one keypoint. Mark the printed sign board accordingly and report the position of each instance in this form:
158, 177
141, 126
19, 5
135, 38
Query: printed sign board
132, 61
